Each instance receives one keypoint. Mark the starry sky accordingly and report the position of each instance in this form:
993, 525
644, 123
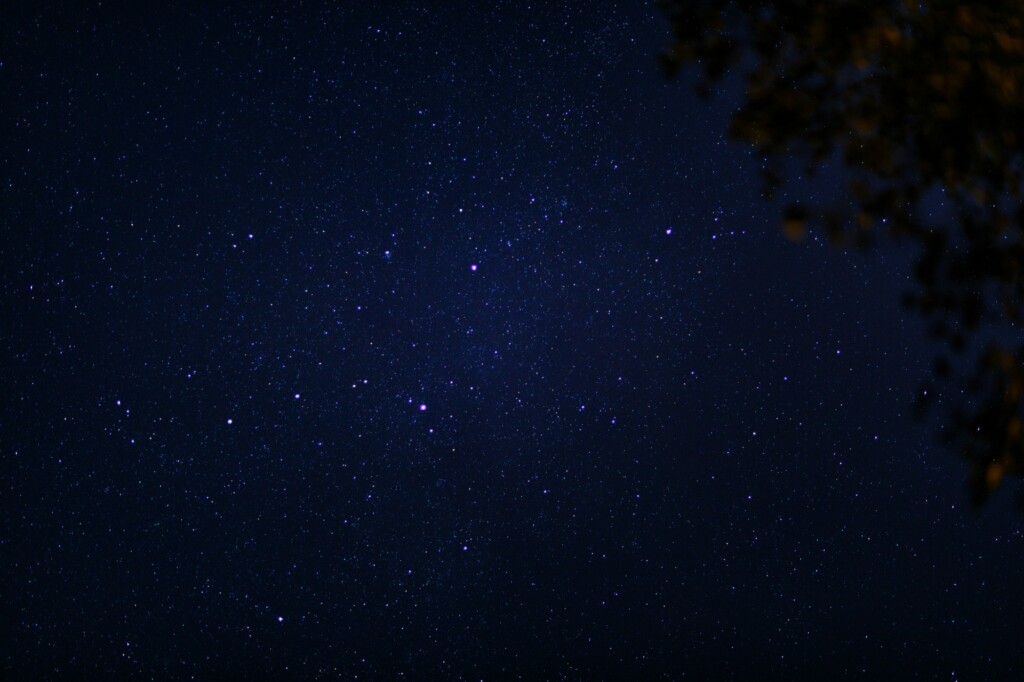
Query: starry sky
448, 341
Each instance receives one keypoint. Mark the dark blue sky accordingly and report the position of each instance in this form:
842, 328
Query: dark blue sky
452, 341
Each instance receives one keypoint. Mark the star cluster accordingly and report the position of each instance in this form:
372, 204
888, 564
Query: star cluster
446, 342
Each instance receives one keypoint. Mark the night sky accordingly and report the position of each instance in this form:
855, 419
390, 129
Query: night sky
449, 341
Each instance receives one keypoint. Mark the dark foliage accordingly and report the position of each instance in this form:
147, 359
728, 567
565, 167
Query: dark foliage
918, 99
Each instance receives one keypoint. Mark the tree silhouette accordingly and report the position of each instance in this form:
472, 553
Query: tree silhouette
923, 102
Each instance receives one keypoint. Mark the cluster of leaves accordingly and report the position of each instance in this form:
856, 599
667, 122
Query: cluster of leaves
918, 99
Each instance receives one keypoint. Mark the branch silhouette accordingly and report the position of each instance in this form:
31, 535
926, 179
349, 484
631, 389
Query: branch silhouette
919, 100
